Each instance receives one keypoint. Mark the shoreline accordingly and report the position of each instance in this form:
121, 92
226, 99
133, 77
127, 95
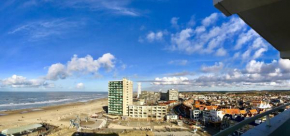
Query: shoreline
58, 115
16, 111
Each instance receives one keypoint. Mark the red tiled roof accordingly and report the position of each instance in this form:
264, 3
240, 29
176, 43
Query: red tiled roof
243, 111
231, 111
199, 105
253, 111
211, 107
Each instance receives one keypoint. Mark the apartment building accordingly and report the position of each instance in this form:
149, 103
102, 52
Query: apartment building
147, 112
172, 94
120, 96
195, 114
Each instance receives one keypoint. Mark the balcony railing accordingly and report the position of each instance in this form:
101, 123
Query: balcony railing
236, 127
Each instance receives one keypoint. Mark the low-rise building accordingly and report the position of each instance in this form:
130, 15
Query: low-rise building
168, 103
147, 112
171, 117
195, 114
216, 116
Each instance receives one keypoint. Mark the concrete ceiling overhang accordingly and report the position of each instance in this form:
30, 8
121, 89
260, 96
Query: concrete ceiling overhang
269, 18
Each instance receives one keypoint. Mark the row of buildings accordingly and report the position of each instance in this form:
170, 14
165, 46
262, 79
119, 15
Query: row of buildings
221, 108
149, 105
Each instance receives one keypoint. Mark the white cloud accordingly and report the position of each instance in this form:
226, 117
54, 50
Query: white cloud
236, 55
207, 39
22, 82
221, 52
191, 22
256, 75
210, 19
89, 65
244, 38
178, 74
170, 81
117, 7
284, 64
246, 54
56, 71
174, 22
215, 68
85, 65
159, 35
256, 49
254, 66
182, 41
199, 29
258, 43
50, 28
80, 86
260, 67
154, 36
259, 53
178, 62
151, 36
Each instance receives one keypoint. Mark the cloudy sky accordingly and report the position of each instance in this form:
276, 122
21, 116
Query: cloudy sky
79, 45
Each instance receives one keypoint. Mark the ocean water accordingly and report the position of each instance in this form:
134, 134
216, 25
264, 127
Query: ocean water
25, 100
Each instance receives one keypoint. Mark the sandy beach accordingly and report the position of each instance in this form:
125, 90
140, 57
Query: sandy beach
56, 115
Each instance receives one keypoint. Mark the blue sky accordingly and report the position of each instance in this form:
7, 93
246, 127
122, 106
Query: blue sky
79, 45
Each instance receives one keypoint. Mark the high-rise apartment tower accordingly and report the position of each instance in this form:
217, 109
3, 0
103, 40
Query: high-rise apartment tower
120, 96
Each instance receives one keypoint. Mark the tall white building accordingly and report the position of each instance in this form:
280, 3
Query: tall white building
120, 96
139, 90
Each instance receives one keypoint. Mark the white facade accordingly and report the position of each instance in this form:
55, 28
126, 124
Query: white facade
172, 94
195, 114
139, 90
127, 95
216, 115
147, 112
213, 115
171, 117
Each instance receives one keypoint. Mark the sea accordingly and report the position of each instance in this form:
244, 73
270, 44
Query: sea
27, 100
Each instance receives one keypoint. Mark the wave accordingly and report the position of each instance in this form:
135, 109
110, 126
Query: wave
35, 103
88, 100
80, 99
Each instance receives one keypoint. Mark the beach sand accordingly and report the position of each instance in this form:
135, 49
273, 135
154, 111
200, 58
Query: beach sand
59, 115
